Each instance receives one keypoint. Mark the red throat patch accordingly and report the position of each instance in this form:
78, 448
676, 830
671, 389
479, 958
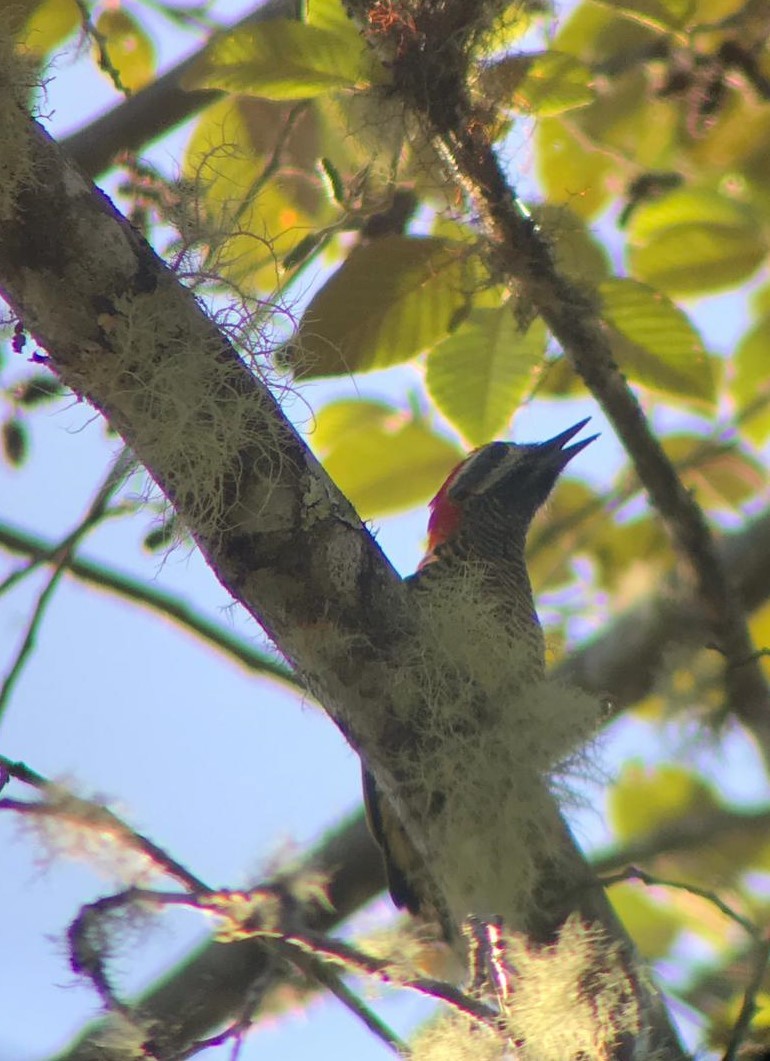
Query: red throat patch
445, 516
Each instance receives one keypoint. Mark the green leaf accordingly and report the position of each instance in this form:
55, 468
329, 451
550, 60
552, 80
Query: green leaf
49, 24
15, 442
652, 926
569, 171
389, 301
655, 14
381, 457
161, 537
655, 343
283, 60
646, 799
720, 476
562, 529
36, 390
695, 241
256, 221
479, 375
594, 32
630, 553
545, 84
514, 21
751, 381
330, 15
129, 49
575, 251
558, 379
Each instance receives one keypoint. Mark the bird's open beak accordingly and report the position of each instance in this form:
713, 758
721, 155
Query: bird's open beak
556, 446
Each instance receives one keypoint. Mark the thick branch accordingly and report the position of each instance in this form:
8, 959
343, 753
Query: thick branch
430, 73
155, 109
625, 661
212, 986
275, 530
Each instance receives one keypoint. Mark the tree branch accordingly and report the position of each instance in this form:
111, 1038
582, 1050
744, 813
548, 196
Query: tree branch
155, 109
276, 531
168, 605
430, 73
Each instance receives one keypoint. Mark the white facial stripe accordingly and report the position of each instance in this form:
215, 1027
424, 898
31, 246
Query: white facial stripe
484, 468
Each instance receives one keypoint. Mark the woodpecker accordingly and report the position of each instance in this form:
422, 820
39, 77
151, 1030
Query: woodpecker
480, 516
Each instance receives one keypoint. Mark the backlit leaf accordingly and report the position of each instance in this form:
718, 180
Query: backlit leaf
645, 798
284, 59
478, 375
652, 925
389, 301
751, 381
655, 14
569, 171
694, 241
576, 251
129, 49
382, 458
256, 222
545, 84
719, 476
50, 23
654, 341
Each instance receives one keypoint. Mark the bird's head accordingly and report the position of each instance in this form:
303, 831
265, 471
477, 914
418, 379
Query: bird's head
514, 478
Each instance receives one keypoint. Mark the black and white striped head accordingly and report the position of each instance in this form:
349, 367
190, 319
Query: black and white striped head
517, 477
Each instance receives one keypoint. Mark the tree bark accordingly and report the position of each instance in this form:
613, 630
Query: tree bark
125, 335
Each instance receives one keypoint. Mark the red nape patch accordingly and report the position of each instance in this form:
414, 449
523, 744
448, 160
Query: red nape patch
445, 516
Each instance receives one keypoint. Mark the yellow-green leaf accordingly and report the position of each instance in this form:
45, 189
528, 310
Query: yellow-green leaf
566, 527
594, 33
331, 15
751, 382
628, 554
695, 241
545, 84
478, 375
389, 301
655, 14
50, 23
381, 457
646, 799
655, 342
558, 379
569, 171
575, 251
129, 49
283, 59
255, 222
719, 476
652, 926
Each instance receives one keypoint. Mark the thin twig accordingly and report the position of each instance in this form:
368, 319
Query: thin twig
631, 873
162, 602
90, 814
522, 255
97, 512
381, 969
688, 833
326, 975
749, 1006
105, 63
249, 917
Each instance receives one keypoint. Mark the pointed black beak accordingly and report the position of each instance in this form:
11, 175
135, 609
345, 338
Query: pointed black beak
555, 447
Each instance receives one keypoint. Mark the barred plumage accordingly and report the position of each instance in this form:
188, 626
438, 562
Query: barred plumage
479, 517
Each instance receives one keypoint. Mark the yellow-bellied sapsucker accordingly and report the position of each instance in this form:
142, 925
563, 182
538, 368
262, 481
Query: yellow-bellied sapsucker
480, 517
